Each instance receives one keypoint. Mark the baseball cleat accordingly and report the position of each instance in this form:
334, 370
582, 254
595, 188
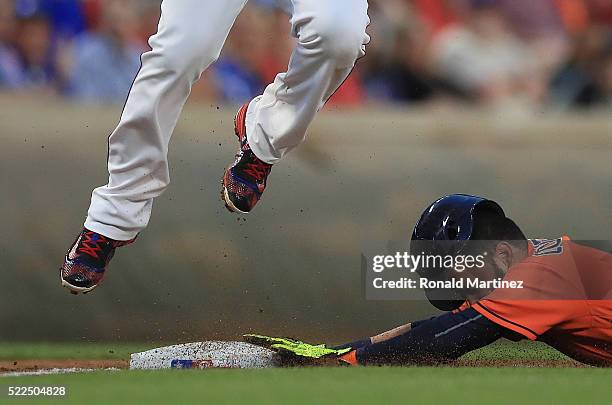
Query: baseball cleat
87, 260
245, 180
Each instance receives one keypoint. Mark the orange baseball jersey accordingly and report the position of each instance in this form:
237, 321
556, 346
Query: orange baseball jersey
565, 299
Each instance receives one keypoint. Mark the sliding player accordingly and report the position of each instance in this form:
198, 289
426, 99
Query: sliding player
565, 299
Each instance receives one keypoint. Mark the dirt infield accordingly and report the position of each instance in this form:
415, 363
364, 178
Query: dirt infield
34, 365
514, 363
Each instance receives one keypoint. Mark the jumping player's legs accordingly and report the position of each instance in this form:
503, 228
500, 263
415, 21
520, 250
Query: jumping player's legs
331, 36
190, 37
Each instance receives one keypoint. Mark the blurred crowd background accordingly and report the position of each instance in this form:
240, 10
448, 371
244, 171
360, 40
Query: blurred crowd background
527, 53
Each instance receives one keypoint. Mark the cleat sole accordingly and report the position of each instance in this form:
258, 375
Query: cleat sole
229, 204
74, 289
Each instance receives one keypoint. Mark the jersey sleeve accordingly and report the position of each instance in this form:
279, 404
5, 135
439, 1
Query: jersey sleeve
440, 339
527, 318
547, 298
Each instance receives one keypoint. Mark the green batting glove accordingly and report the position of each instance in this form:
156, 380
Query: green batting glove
308, 351
295, 348
267, 341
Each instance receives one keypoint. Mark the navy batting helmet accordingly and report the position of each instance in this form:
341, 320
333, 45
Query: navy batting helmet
444, 229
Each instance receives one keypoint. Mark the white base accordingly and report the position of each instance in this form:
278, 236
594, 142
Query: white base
205, 355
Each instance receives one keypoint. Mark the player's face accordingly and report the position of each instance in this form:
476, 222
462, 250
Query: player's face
496, 266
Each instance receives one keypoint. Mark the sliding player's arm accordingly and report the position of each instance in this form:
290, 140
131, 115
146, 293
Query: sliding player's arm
440, 339
388, 335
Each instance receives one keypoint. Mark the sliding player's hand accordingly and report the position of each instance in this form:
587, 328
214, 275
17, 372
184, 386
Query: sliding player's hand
267, 341
297, 351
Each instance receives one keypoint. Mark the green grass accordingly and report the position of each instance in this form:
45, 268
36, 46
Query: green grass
69, 351
341, 385
519, 351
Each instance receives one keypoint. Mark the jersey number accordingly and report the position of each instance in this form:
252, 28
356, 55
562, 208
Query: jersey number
547, 247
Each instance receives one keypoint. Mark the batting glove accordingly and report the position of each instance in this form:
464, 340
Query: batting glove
295, 348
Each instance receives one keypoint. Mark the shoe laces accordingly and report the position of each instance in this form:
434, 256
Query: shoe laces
257, 169
92, 244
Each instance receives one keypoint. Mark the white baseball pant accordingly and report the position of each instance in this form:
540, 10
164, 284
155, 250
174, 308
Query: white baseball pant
331, 36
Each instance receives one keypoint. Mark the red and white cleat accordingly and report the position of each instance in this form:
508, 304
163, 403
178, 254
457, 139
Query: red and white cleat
87, 260
244, 181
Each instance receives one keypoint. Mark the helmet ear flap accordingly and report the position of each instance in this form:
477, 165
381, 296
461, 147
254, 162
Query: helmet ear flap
444, 228
446, 305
